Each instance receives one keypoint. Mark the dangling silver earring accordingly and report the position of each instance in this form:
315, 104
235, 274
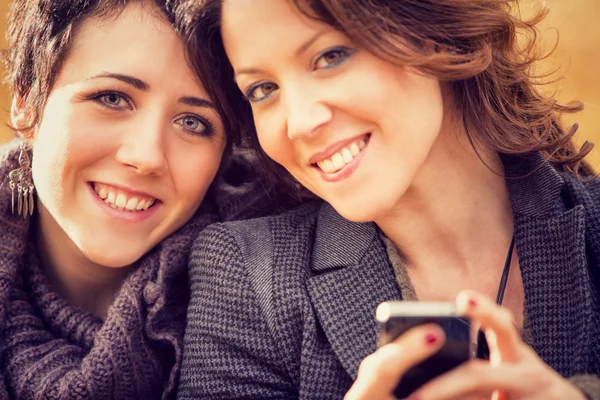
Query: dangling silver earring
22, 180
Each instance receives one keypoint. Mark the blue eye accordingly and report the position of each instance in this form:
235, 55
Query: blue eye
332, 57
195, 125
112, 100
260, 91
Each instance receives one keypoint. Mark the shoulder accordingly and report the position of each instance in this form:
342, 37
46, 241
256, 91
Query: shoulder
592, 186
221, 243
288, 222
585, 191
234, 232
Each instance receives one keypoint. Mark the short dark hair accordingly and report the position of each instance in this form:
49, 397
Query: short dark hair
40, 33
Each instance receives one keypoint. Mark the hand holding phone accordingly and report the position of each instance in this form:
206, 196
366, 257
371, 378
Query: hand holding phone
395, 318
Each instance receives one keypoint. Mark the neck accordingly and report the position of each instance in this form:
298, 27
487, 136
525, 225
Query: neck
85, 284
456, 215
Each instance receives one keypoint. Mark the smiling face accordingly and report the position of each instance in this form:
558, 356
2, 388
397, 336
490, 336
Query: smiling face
350, 127
128, 143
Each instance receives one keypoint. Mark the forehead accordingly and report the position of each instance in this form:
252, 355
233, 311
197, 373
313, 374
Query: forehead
253, 27
139, 39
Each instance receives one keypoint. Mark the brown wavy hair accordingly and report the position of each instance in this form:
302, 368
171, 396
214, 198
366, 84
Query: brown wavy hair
481, 48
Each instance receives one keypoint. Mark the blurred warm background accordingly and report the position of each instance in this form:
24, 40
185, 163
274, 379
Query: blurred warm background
577, 55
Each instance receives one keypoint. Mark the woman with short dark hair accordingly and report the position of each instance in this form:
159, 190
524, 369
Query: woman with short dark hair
109, 180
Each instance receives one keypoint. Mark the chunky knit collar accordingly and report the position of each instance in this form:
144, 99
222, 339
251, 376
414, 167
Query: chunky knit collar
53, 350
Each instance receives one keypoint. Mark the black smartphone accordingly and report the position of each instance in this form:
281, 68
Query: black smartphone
396, 317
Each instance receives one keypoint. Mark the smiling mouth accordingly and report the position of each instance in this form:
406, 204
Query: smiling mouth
122, 201
343, 157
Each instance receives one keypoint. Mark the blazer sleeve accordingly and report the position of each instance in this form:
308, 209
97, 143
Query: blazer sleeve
229, 352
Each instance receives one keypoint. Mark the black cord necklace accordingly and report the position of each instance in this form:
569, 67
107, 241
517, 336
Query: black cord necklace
505, 271
483, 351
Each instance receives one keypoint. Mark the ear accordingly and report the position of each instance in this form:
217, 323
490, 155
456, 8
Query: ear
21, 117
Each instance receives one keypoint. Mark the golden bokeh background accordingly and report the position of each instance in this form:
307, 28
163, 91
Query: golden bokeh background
576, 25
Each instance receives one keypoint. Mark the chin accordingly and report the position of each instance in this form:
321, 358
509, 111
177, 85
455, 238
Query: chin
113, 250
358, 212
106, 259
365, 208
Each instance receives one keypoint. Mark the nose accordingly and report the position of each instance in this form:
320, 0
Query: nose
142, 147
307, 111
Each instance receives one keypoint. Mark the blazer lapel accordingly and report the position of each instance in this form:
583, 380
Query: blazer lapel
550, 241
350, 280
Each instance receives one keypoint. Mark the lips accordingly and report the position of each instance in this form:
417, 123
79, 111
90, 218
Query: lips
121, 199
344, 156
340, 154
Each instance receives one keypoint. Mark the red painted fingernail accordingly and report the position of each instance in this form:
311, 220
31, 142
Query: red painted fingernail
430, 338
472, 303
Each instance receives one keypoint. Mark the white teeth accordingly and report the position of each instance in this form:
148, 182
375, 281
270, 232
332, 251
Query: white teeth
347, 155
122, 201
111, 198
131, 204
328, 166
338, 161
342, 157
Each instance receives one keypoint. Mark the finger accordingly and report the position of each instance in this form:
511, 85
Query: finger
498, 324
499, 395
380, 372
476, 378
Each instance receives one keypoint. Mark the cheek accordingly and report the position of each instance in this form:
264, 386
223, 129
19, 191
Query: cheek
273, 138
411, 111
426, 108
396, 94
51, 155
419, 98
68, 138
193, 172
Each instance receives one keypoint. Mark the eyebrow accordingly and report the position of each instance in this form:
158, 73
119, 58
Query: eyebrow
298, 53
135, 82
197, 102
141, 85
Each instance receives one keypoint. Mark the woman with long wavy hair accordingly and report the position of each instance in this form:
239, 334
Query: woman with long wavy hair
442, 174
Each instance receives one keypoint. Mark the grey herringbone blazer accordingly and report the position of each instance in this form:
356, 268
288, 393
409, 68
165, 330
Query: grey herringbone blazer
283, 307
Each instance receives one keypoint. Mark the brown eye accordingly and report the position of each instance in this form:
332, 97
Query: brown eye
261, 91
332, 57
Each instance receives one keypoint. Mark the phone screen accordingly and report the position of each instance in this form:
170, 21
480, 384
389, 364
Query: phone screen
456, 350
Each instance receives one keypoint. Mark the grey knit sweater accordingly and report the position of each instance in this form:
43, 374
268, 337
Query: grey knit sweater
50, 349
